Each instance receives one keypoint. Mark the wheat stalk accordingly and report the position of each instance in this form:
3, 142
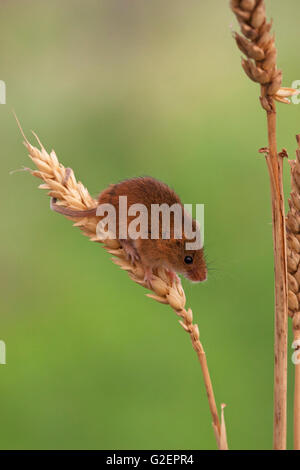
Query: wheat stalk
258, 45
62, 185
293, 265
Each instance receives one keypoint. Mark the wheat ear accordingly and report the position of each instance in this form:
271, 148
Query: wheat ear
62, 185
258, 45
293, 264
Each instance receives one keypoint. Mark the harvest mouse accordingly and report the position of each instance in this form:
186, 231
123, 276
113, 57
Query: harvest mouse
164, 251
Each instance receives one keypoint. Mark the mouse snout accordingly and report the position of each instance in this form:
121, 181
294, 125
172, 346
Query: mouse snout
197, 275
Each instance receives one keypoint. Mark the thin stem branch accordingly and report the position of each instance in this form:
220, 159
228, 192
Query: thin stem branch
209, 390
279, 239
192, 329
219, 427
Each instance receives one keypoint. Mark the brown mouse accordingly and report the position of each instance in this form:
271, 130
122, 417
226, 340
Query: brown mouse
170, 253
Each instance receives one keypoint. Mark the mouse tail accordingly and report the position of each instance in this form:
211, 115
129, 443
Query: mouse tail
66, 211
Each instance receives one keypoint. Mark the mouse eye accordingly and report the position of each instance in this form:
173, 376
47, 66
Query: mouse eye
188, 260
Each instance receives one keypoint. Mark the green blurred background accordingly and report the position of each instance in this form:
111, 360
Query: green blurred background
122, 88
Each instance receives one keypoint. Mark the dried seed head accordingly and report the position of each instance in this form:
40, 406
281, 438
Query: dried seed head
292, 302
259, 47
248, 5
296, 322
293, 237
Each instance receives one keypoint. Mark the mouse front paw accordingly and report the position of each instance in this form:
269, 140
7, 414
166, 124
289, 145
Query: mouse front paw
149, 277
173, 276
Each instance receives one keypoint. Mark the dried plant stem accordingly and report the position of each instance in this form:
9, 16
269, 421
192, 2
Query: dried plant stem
166, 290
209, 390
192, 329
297, 408
293, 266
274, 163
258, 45
219, 428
